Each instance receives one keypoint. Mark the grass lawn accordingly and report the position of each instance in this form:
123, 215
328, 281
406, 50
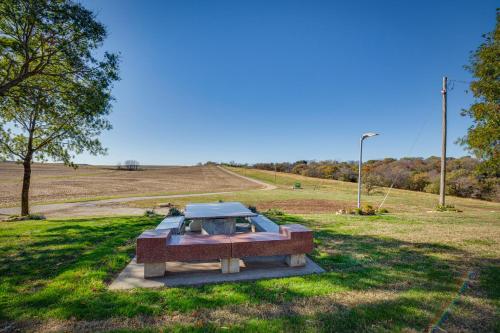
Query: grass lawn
404, 271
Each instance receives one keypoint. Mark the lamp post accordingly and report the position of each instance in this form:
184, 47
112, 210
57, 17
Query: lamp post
363, 137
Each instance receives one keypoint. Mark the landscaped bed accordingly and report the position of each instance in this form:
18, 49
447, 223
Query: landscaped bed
391, 272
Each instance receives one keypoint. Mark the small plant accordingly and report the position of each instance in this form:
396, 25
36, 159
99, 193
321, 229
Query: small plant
297, 186
382, 211
274, 211
253, 209
173, 211
357, 211
447, 208
367, 210
149, 213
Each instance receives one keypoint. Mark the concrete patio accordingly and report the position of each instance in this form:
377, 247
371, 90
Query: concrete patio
198, 273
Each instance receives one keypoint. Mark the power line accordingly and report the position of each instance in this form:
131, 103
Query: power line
419, 133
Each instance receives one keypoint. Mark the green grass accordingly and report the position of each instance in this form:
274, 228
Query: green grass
402, 271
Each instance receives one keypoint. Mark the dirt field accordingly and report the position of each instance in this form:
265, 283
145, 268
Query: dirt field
55, 182
305, 206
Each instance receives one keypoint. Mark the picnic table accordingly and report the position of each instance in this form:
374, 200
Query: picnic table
219, 240
217, 218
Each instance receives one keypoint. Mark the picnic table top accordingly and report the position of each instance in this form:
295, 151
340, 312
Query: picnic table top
217, 210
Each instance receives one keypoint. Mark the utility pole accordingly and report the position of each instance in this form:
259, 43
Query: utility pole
442, 183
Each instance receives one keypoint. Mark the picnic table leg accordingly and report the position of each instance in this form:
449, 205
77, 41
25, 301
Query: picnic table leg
230, 265
156, 269
295, 260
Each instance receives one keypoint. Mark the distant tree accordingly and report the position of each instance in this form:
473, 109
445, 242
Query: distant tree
54, 95
461, 183
483, 137
411, 173
131, 165
418, 181
328, 171
346, 173
299, 168
371, 182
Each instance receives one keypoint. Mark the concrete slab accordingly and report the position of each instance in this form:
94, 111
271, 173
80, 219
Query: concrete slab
197, 273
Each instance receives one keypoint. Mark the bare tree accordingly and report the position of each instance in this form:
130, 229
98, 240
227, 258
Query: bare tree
131, 165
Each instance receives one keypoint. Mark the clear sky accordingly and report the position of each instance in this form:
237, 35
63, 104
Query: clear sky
255, 81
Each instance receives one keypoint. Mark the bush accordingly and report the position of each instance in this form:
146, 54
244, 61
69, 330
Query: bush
149, 212
173, 211
274, 211
382, 211
367, 210
297, 185
357, 211
253, 209
447, 208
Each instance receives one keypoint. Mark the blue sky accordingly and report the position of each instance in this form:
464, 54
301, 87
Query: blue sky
255, 81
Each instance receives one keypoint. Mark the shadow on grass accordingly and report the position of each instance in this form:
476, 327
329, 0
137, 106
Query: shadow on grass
61, 271
59, 245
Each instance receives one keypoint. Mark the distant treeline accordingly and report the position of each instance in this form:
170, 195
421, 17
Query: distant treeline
417, 174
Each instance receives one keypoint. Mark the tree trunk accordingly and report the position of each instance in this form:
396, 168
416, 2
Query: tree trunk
25, 209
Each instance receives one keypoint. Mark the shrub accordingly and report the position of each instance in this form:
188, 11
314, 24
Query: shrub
367, 210
297, 185
382, 211
274, 211
173, 211
149, 212
253, 209
447, 208
357, 211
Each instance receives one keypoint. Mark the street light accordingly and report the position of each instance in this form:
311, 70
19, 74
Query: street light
363, 137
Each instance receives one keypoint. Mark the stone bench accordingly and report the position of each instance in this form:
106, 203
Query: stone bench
174, 223
156, 247
292, 241
263, 224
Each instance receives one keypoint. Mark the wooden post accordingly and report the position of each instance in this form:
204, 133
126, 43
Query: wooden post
442, 183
